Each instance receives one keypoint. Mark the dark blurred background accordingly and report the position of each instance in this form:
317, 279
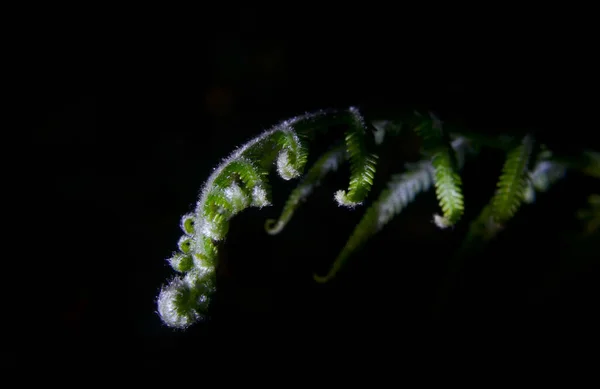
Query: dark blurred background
123, 119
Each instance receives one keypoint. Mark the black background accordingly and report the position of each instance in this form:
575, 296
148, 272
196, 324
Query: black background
124, 115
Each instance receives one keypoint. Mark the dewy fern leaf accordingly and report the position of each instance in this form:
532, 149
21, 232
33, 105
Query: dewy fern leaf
238, 183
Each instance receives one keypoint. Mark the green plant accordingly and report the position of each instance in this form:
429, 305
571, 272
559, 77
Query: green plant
241, 181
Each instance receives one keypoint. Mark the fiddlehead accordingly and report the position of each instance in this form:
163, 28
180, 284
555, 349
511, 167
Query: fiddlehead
238, 183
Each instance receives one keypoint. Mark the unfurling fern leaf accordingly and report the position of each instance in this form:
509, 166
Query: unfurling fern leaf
238, 183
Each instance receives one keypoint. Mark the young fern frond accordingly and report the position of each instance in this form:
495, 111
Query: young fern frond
241, 181
362, 163
401, 191
512, 183
448, 184
328, 162
238, 183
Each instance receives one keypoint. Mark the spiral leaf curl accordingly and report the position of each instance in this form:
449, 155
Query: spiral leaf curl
239, 182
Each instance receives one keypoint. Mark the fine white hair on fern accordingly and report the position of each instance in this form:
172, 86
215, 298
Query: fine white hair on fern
241, 181
172, 308
181, 262
187, 223
236, 196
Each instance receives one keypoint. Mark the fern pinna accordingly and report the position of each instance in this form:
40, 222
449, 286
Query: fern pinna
240, 181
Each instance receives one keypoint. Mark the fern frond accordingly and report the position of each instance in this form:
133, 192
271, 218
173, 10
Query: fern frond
362, 163
328, 162
401, 191
448, 183
513, 182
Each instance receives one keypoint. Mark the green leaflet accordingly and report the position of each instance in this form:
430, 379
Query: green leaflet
448, 183
512, 183
362, 163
